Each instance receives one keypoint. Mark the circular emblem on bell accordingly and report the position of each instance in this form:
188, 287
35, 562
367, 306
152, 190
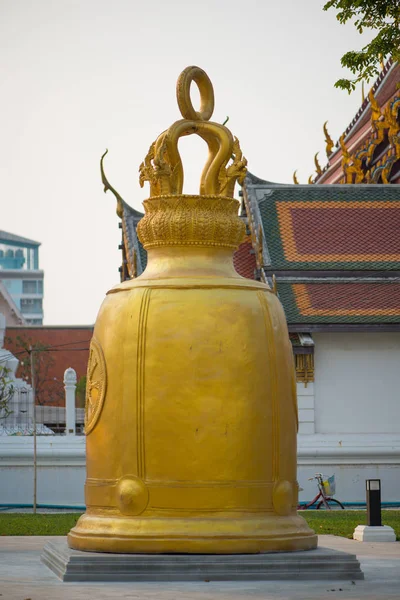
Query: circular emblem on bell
95, 385
132, 495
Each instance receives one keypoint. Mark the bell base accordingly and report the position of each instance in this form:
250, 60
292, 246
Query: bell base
196, 535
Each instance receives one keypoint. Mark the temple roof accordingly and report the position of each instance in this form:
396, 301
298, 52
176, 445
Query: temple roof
341, 301
334, 249
244, 260
332, 227
368, 151
136, 255
382, 88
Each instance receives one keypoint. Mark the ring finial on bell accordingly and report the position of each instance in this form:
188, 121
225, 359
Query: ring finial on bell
206, 90
225, 165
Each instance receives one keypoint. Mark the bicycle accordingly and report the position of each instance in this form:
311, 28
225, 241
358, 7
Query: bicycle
326, 490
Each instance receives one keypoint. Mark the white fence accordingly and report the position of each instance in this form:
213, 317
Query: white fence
57, 434
19, 417
61, 462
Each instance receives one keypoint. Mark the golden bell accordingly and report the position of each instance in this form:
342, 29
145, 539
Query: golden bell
191, 412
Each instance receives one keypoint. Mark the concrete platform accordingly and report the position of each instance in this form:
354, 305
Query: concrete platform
365, 533
22, 576
318, 564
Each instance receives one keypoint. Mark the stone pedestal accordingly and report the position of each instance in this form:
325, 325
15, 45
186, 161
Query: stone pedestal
367, 533
317, 564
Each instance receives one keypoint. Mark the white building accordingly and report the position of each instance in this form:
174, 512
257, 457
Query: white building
334, 251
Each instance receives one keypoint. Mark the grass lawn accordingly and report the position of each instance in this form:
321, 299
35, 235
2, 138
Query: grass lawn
39, 524
342, 522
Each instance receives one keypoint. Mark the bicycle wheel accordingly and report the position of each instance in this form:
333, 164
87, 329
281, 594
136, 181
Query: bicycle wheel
332, 503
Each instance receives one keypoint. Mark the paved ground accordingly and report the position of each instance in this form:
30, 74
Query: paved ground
23, 577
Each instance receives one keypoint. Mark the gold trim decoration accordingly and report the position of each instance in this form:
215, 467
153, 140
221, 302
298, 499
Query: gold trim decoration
361, 166
375, 108
295, 180
191, 221
351, 165
95, 386
128, 267
304, 368
140, 383
392, 122
328, 140
317, 165
108, 187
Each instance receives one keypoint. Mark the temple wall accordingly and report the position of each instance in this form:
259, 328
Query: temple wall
357, 382
356, 429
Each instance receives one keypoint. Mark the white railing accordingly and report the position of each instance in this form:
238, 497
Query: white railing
19, 418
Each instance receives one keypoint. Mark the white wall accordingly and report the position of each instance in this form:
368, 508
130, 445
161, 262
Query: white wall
61, 470
306, 408
357, 382
355, 404
350, 480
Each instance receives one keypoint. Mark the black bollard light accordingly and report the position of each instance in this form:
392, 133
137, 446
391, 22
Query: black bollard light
374, 502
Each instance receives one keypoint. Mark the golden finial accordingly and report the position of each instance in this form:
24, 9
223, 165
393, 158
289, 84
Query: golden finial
351, 164
317, 165
162, 166
108, 186
362, 92
310, 179
375, 109
295, 180
328, 140
345, 152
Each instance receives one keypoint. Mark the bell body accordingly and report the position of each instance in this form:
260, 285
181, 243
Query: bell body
191, 416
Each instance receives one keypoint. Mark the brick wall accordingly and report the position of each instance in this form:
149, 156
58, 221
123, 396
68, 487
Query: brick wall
67, 347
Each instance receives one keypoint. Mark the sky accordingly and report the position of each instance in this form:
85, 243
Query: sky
80, 76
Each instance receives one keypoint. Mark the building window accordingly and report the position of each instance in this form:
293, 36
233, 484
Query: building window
40, 286
34, 321
31, 305
29, 287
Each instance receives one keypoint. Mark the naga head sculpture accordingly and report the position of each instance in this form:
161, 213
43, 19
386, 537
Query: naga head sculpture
171, 217
162, 167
